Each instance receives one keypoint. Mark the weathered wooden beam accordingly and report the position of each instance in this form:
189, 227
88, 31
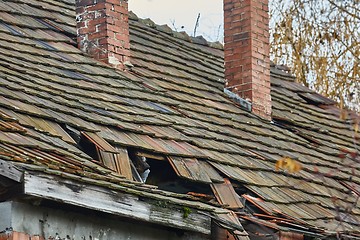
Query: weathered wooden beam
8, 170
150, 155
118, 203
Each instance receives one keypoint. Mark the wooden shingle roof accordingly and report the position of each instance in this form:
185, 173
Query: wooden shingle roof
171, 103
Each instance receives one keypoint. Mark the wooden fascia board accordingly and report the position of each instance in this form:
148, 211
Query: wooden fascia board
8, 170
118, 203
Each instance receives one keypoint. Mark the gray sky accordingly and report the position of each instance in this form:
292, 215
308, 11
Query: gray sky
182, 15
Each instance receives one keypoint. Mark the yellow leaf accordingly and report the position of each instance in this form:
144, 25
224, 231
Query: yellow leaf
343, 114
288, 164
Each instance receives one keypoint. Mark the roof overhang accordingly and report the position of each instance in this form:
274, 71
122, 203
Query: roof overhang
153, 210
9, 171
122, 204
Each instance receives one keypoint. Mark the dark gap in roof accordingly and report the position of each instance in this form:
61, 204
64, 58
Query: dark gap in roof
260, 232
251, 208
135, 173
115, 158
74, 133
89, 148
57, 28
140, 166
101, 157
239, 188
163, 176
316, 99
283, 123
11, 29
290, 126
140, 158
183, 186
9, 189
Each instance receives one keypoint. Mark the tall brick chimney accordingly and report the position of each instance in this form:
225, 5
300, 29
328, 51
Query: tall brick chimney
103, 30
247, 62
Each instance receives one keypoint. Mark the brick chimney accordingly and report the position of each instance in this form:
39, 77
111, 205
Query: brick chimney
103, 30
247, 63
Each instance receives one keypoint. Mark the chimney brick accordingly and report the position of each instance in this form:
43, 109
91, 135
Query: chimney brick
247, 61
103, 30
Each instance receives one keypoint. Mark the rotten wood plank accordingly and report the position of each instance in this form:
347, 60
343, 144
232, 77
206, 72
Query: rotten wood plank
150, 155
211, 172
122, 162
115, 202
8, 170
225, 194
108, 159
99, 142
189, 168
118, 162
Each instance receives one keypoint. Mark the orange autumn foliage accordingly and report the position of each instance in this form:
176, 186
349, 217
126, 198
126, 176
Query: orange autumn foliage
288, 164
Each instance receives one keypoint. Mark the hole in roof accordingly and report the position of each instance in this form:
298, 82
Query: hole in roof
46, 45
73, 132
163, 176
88, 147
140, 167
11, 29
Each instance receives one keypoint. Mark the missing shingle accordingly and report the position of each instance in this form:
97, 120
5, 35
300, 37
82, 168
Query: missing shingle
115, 158
73, 132
88, 147
141, 167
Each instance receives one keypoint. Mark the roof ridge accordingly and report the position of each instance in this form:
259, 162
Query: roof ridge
199, 40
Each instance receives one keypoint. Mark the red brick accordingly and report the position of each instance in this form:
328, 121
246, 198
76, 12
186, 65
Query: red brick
121, 9
114, 42
20, 236
6, 236
101, 21
37, 238
95, 21
86, 30
246, 51
95, 7
113, 14
99, 35
82, 3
